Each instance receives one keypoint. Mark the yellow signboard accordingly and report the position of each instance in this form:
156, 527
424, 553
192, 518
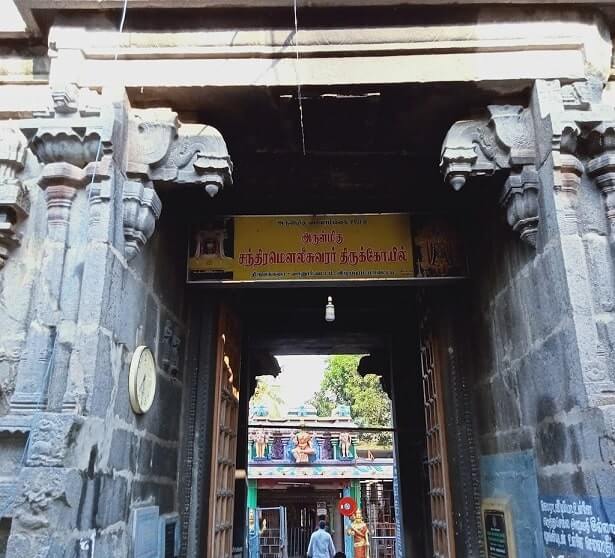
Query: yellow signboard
303, 247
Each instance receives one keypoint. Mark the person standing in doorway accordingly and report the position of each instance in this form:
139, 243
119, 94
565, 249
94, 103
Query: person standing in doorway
321, 544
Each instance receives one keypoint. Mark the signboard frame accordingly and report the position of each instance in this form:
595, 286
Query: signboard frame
500, 506
423, 220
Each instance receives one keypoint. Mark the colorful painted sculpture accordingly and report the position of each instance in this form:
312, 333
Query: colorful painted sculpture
345, 444
261, 439
303, 447
360, 534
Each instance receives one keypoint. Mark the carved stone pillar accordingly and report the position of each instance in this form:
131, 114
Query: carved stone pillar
602, 169
14, 198
69, 155
567, 115
568, 172
520, 199
60, 182
99, 191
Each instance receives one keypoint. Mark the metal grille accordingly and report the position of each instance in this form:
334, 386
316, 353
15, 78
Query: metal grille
225, 439
378, 504
301, 525
436, 464
272, 539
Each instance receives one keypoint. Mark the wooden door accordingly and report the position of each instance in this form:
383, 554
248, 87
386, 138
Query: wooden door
436, 464
224, 437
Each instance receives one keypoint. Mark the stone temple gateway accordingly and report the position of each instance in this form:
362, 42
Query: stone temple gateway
122, 125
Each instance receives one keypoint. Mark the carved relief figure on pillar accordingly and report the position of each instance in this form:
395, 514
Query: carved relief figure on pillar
345, 445
303, 447
260, 439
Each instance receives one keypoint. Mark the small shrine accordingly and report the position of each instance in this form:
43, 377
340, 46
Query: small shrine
300, 466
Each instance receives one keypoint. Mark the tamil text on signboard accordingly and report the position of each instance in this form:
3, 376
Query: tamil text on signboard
323, 247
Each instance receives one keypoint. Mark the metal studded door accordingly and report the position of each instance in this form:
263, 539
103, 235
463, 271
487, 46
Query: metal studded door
224, 443
436, 464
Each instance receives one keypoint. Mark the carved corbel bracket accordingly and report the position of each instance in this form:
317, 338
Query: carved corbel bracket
520, 200
501, 140
198, 156
150, 134
162, 152
504, 139
14, 198
142, 208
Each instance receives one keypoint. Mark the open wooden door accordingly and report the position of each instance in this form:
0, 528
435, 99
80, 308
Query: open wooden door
440, 497
224, 438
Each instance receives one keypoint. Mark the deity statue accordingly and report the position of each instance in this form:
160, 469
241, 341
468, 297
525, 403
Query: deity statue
303, 447
345, 444
260, 439
360, 534
210, 244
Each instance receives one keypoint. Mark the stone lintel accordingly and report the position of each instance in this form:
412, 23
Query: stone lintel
498, 45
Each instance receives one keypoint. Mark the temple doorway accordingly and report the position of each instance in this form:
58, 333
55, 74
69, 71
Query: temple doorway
295, 230
321, 432
405, 494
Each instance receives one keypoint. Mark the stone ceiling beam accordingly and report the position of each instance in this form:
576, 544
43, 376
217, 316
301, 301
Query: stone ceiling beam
498, 46
191, 4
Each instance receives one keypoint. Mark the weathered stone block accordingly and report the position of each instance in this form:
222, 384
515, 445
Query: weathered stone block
601, 271
48, 499
549, 379
126, 449
163, 419
11, 451
504, 392
552, 442
161, 495
157, 460
103, 381
113, 501
150, 324
50, 437
28, 544
111, 544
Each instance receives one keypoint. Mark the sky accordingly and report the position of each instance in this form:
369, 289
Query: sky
300, 377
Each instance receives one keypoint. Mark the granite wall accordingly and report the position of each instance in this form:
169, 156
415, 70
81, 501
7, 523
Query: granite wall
75, 460
543, 357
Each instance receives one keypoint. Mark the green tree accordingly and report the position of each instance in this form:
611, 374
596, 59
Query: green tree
342, 385
324, 403
267, 393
